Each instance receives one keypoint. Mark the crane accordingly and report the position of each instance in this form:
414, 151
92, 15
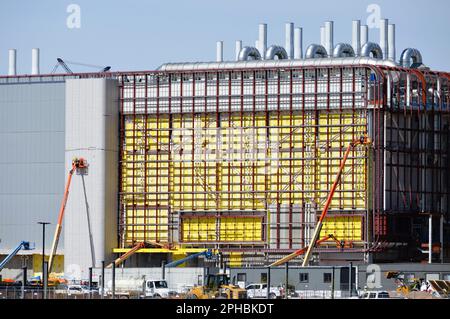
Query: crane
207, 253
363, 140
25, 245
63, 64
77, 164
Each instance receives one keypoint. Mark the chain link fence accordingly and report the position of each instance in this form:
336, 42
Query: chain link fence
38, 293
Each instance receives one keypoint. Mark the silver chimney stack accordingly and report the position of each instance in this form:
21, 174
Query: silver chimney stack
262, 39
356, 37
238, 49
364, 35
329, 38
35, 61
322, 36
384, 37
289, 40
219, 51
391, 42
298, 43
12, 62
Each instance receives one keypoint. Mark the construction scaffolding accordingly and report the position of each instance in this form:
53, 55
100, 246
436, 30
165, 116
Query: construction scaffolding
243, 159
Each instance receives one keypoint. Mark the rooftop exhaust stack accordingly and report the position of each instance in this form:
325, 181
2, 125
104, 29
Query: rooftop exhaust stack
356, 37
35, 61
322, 36
392, 55
12, 62
238, 49
219, 51
384, 37
289, 40
298, 43
329, 38
364, 35
262, 39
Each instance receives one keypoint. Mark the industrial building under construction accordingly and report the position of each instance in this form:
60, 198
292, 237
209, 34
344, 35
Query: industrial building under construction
234, 156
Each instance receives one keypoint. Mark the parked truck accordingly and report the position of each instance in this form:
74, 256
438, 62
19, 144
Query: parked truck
255, 291
137, 288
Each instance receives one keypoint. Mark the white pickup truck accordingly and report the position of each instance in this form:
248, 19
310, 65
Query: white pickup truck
260, 291
138, 288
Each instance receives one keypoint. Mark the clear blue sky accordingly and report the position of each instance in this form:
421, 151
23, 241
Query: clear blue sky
141, 35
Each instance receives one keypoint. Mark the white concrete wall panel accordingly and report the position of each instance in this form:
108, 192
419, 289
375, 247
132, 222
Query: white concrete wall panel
92, 110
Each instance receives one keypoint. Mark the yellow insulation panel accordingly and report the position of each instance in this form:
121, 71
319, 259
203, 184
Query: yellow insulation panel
347, 228
243, 162
230, 229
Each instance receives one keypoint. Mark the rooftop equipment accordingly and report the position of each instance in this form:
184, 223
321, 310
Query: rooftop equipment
12, 53
356, 37
63, 64
35, 61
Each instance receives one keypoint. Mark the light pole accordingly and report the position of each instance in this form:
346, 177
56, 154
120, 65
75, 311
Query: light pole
43, 251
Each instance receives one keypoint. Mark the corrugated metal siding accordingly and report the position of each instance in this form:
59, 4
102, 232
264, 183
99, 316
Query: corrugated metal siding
31, 161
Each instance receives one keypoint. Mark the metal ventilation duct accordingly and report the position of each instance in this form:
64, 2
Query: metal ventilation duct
289, 40
371, 48
322, 36
262, 39
356, 37
169, 67
364, 35
392, 55
315, 51
238, 49
12, 62
329, 37
276, 51
249, 52
384, 25
343, 50
298, 43
219, 51
411, 58
35, 61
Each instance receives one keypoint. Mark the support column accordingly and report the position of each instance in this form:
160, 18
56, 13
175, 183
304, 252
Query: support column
430, 239
441, 235
268, 282
287, 281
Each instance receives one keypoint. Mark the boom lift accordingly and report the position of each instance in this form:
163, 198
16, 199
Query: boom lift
25, 245
364, 140
77, 164
127, 255
303, 250
207, 253
134, 250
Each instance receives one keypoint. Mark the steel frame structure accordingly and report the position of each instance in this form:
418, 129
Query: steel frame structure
406, 113
241, 97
